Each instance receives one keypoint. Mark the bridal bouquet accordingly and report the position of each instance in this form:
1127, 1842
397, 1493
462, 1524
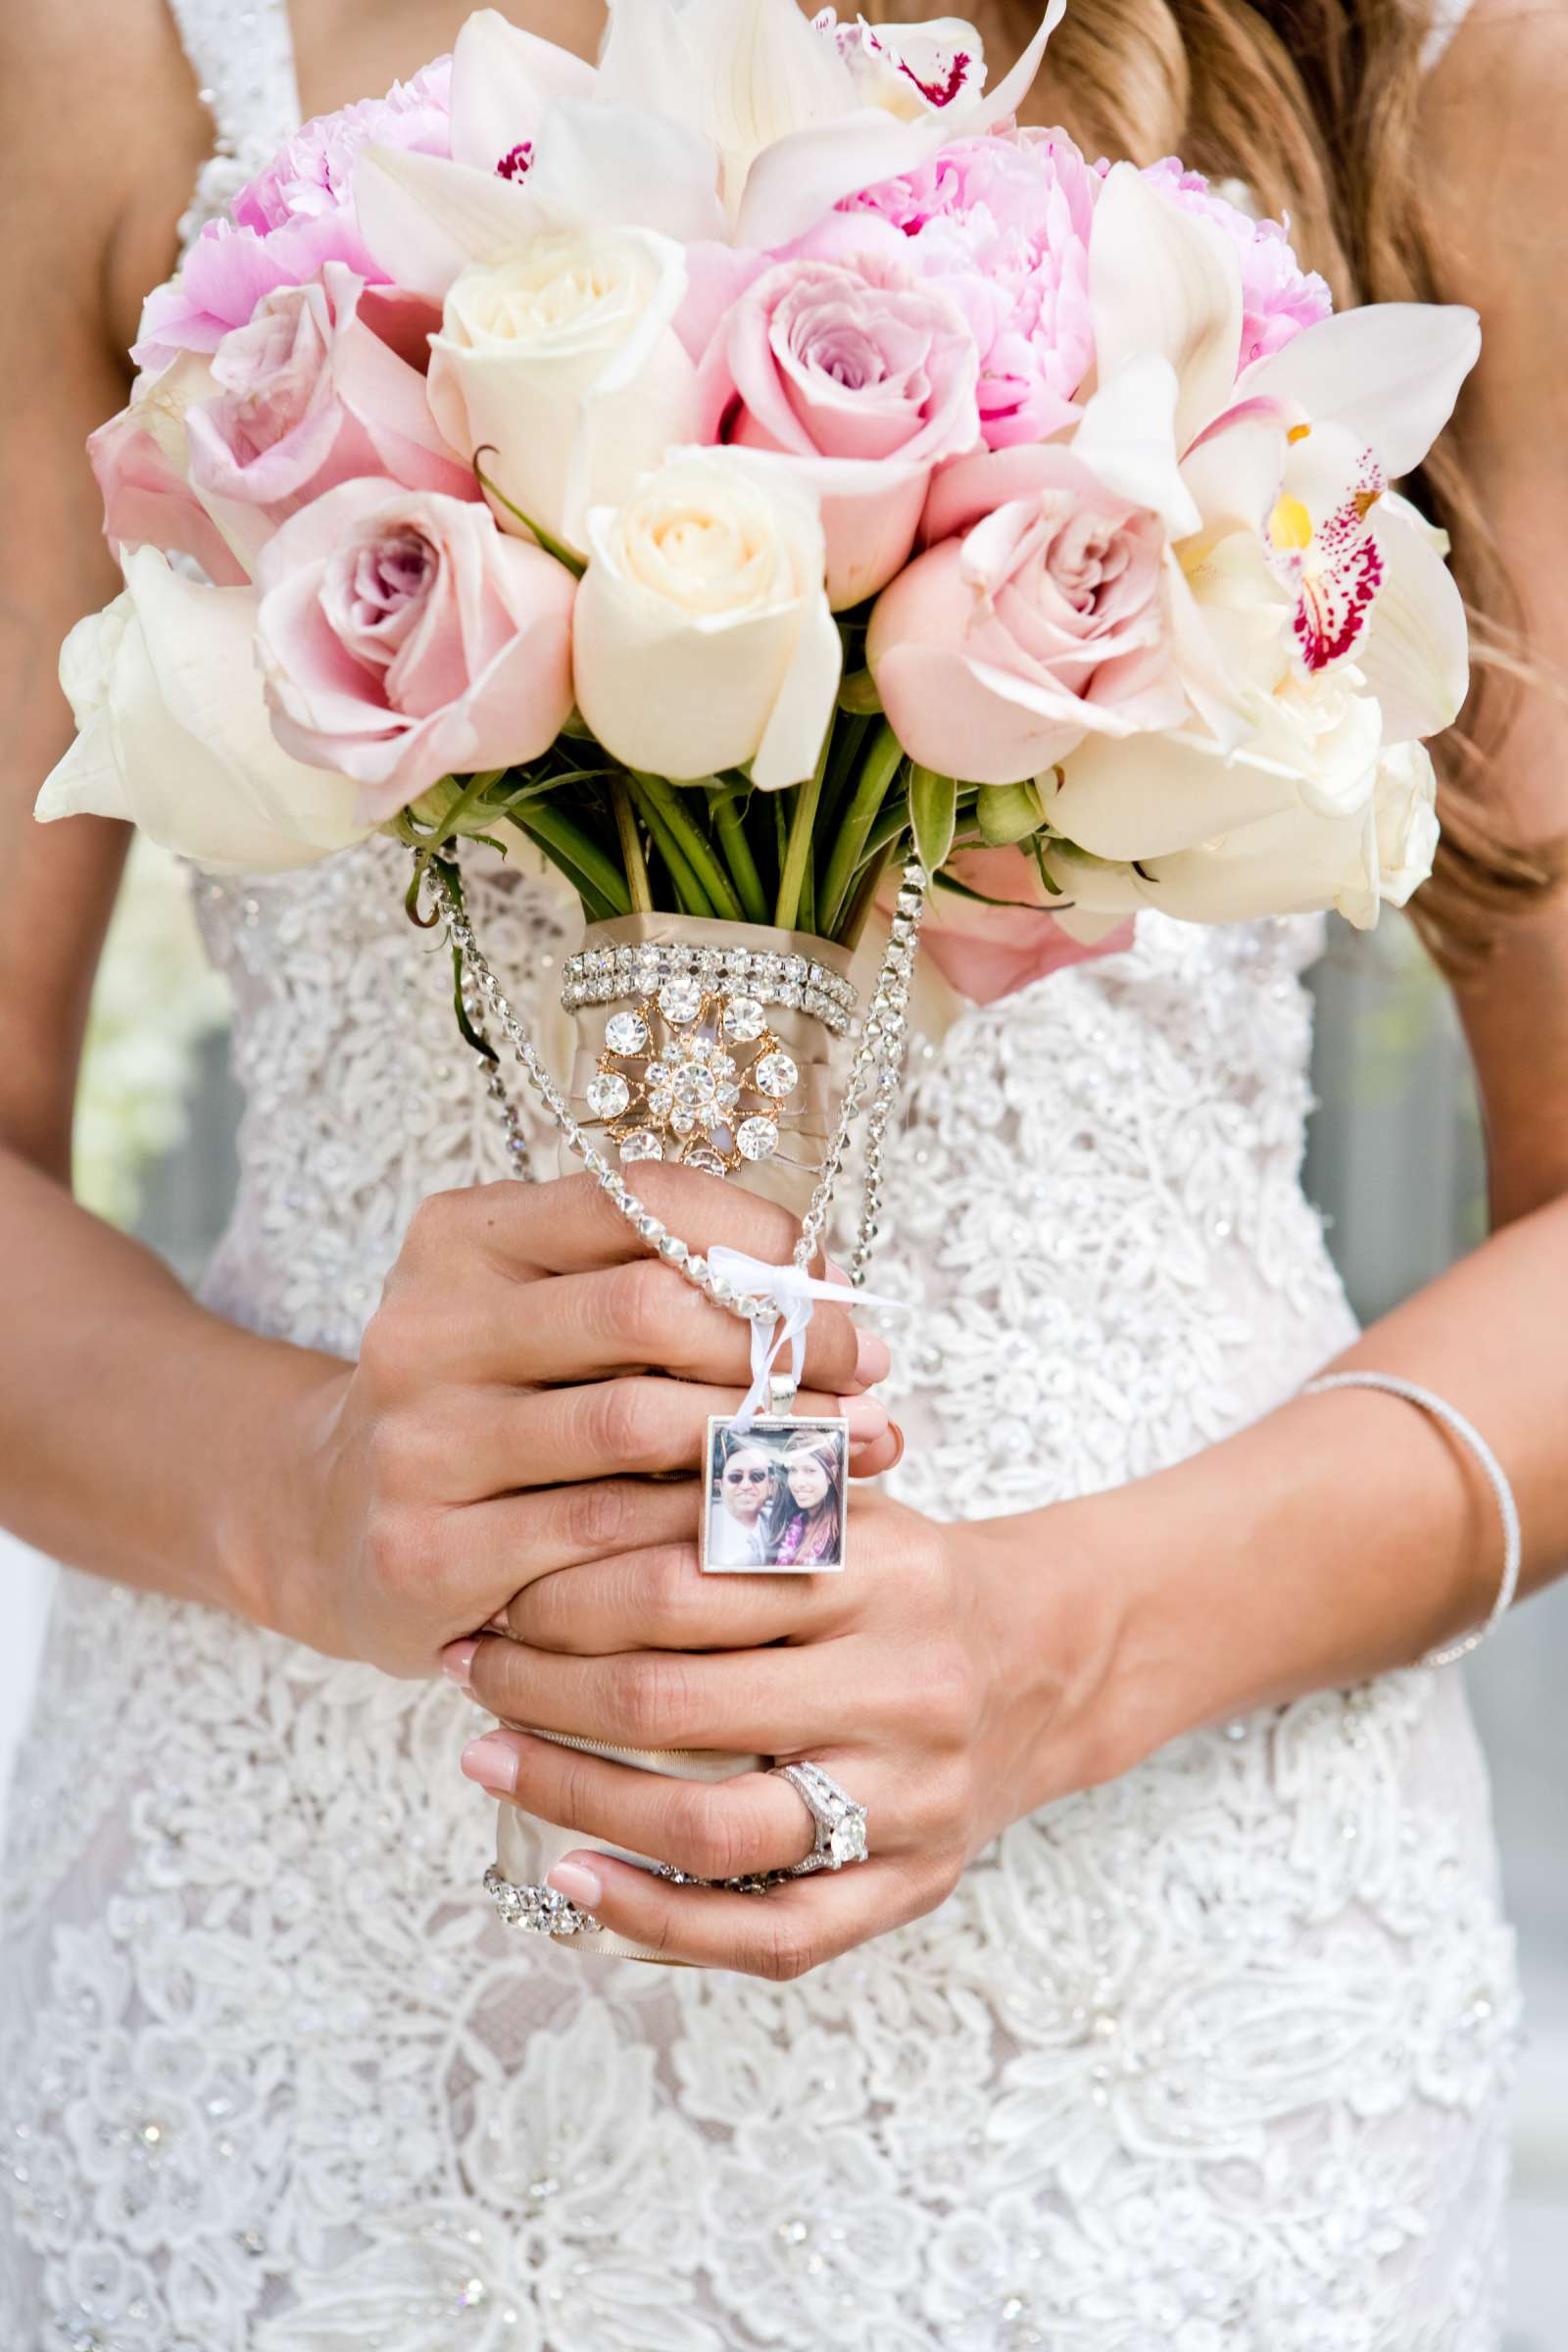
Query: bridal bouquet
781, 489
732, 464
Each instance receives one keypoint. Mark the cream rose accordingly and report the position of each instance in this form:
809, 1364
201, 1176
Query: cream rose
702, 638
564, 365
175, 733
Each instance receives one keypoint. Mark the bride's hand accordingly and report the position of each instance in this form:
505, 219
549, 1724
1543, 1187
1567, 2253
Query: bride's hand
488, 1432
949, 1679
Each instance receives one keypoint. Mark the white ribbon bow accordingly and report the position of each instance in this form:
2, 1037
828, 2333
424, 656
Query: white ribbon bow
794, 1294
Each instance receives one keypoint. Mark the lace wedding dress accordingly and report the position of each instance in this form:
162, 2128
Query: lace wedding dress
1209, 2060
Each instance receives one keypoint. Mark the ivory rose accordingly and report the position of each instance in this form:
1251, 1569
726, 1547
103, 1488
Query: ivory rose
1042, 614
174, 734
403, 637
704, 638
863, 376
307, 396
563, 364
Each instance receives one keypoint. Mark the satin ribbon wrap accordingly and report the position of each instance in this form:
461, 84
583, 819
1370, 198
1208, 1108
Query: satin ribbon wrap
808, 1121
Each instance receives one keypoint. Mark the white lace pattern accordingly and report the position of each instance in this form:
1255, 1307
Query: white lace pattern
1211, 2058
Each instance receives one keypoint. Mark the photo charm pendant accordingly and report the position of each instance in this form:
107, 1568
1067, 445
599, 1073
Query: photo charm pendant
774, 1495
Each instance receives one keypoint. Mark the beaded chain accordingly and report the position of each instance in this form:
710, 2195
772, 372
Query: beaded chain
883, 1048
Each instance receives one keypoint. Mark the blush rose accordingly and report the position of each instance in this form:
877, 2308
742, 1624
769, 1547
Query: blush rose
404, 638
1040, 616
863, 376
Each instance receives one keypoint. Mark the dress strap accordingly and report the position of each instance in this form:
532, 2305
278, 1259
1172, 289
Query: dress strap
242, 54
1447, 18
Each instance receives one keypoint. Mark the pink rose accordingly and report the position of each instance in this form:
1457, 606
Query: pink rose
291, 219
141, 461
1041, 615
310, 397
1278, 296
404, 638
865, 376
1002, 224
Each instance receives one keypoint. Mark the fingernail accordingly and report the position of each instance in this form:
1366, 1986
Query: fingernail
492, 1761
835, 1273
897, 1435
577, 1883
873, 1358
867, 1418
456, 1660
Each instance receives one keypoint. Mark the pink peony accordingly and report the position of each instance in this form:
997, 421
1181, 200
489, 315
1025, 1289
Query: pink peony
404, 638
309, 397
1278, 296
1040, 616
1002, 224
865, 376
291, 219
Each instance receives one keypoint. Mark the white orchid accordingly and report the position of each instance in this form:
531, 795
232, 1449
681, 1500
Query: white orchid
1303, 448
1334, 634
735, 121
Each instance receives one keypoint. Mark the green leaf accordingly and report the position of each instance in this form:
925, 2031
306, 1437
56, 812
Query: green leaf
981, 898
933, 815
1008, 812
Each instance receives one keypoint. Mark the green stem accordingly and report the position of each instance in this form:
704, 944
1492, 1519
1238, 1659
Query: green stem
695, 847
688, 890
553, 546
631, 847
791, 882
724, 808
882, 763
864, 896
602, 889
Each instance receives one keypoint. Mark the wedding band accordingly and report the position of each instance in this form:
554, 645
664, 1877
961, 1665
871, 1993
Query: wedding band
839, 1821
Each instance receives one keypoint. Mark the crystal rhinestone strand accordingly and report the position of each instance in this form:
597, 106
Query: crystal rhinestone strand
749, 976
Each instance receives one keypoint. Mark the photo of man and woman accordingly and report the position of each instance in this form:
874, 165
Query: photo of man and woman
775, 1495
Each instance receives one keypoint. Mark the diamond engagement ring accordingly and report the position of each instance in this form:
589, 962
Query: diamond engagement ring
840, 1822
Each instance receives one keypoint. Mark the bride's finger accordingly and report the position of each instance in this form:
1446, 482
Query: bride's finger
637, 1317
477, 1443
734, 1829
780, 1934
656, 1598
569, 1226
770, 1702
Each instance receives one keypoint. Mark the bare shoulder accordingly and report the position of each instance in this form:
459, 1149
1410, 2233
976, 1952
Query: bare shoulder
102, 134
1491, 120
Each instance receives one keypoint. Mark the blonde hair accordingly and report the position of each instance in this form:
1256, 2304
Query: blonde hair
1314, 103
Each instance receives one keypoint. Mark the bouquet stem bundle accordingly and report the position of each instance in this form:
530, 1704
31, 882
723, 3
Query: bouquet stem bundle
809, 858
